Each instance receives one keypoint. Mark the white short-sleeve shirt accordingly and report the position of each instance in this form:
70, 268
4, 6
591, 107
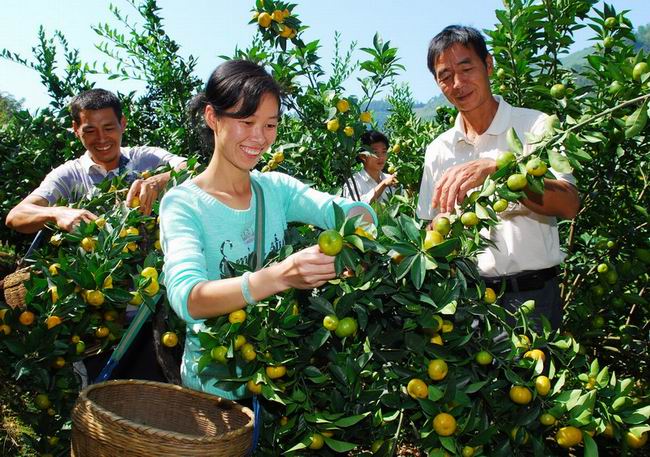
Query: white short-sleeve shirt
523, 240
77, 178
365, 185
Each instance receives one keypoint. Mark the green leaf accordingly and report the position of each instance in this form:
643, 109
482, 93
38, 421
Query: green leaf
636, 122
418, 271
481, 212
558, 162
351, 420
514, 142
339, 446
591, 448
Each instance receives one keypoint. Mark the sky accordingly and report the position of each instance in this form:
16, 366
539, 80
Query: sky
209, 28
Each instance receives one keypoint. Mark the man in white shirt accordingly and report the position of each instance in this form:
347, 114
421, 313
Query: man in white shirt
99, 123
371, 184
527, 248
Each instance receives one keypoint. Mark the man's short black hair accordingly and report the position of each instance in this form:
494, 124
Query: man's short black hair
95, 99
373, 136
456, 34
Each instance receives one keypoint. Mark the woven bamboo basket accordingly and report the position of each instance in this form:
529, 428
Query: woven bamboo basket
14, 287
147, 419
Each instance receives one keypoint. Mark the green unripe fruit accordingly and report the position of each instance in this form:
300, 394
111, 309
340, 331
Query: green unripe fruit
602, 268
639, 70
615, 87
501, 73
442, 226
608, 42
505, 158
536, 167
610, 23
500, 205
517, 182
469, 219
558, 90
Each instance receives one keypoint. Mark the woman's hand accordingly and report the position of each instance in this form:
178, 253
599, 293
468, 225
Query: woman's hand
307, 269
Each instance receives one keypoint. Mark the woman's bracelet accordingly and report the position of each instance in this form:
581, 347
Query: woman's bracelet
245, 289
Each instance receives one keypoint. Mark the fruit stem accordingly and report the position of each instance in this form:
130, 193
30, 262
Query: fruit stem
399, 429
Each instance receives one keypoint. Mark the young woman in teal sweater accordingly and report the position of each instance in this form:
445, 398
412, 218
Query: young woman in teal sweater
210, 219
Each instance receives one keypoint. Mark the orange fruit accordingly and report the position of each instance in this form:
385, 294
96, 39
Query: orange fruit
330, 242
636, 442
59, 362
535, 354
88, 244
277, 16
264, 19
4, 328
343, 106
54, 294
253, 387
240, 340
169, 339
520, 395
237, 317
568, 437
330, 322
26, 318
52, 321
437, 369
102, 332
135, 202
333, 125
348, 131
95, 297
444, 424
152, 289
317, 441
276, 372
365, 117
490, 295
248, 352
432, 238
218, 353
436, 339
542, 385
149, 272
137, 298
54, 269
609, 431
417, 388
132, 231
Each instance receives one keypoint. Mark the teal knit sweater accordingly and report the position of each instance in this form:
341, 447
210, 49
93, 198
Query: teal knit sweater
199, 233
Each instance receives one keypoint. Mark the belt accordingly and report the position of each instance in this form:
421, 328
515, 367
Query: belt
526, 280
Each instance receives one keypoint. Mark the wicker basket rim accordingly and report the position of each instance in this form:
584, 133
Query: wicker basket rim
180, 437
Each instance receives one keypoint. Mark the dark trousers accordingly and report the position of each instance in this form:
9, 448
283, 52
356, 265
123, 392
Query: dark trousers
543, 286
139, 361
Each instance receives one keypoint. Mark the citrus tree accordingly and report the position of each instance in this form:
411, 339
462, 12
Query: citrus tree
407, 347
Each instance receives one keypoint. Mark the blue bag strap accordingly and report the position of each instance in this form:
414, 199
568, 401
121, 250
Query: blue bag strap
259, 262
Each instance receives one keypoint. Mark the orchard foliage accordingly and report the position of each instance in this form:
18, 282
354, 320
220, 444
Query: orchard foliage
407, 345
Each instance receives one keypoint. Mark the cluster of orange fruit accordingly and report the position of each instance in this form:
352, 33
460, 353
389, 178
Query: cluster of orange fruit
265, 19
342, 107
